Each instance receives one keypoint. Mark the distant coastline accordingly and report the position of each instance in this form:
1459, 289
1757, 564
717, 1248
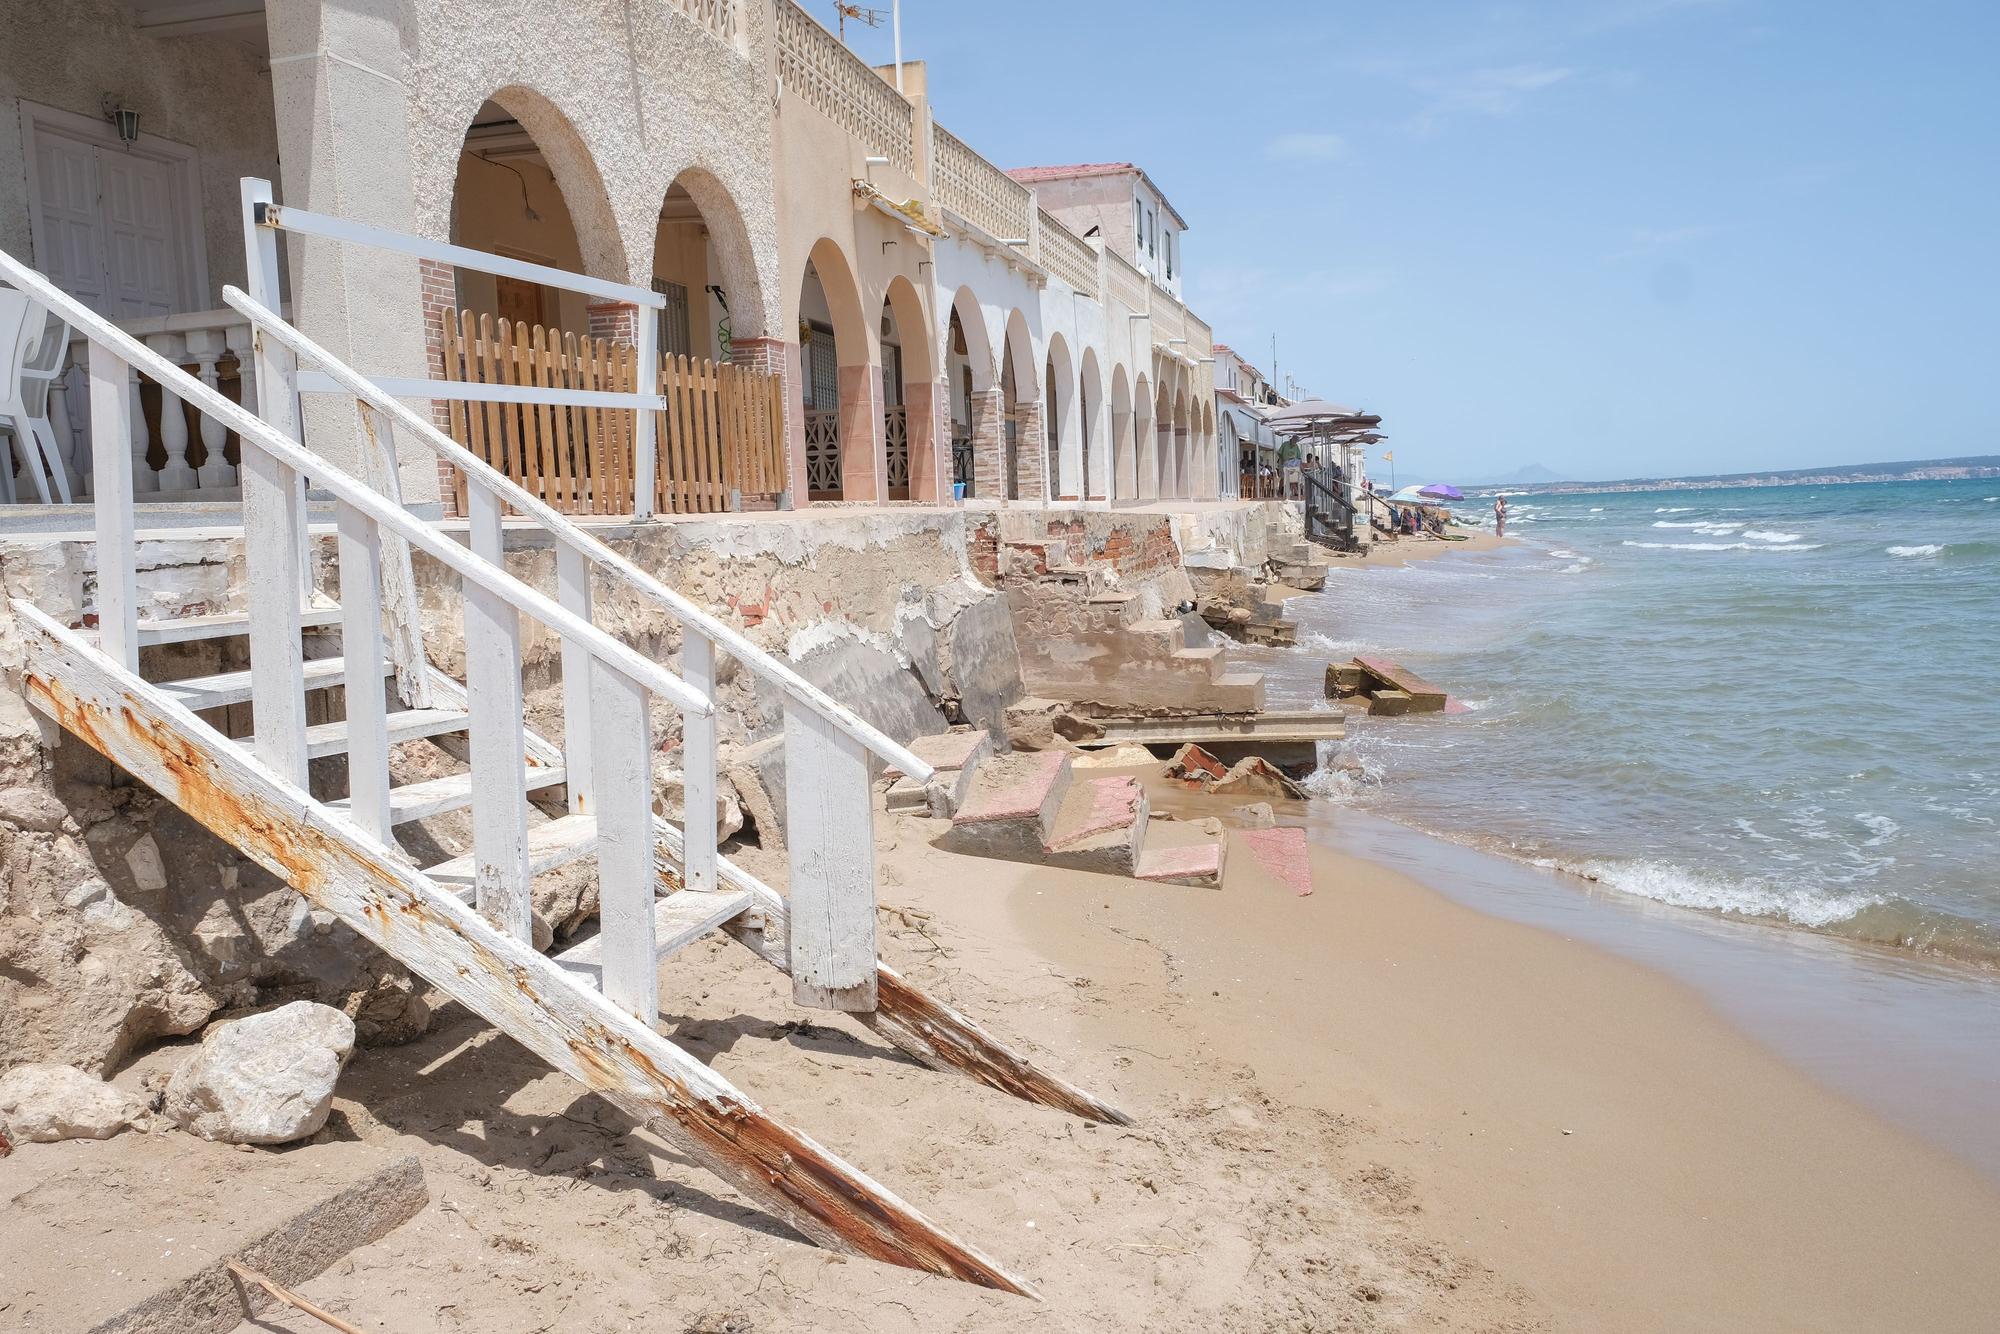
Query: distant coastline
1974, 468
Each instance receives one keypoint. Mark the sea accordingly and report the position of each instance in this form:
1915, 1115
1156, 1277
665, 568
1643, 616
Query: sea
1776, 703
1752, 735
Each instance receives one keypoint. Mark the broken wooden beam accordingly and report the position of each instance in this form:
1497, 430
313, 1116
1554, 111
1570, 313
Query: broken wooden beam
340, 870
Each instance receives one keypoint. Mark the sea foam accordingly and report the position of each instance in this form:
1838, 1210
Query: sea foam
1723, 546
1665, 882
1931, 550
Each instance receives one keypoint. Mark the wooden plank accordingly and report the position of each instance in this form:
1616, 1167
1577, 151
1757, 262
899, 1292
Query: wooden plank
645, 446
453, 792
493, 686
620, 424
699, 762
551, 844
905, 1015
732, 436
495, 433
452, 357
830, 840
678, 921
573, 591
111, 506
538, 419
500, 979
278, 696
622, 781
711, 444
679, 423
361, 643
396, 580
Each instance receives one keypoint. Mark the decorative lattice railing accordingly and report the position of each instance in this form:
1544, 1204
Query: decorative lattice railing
718, 16
1169, 318
1068, 256
976, 190
1127, 285
840, 85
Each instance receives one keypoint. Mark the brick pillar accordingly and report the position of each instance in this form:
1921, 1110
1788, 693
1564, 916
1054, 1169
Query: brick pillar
795, 421
439, 290
1031, 455
989, 445
766, 356
927, 407
864, 471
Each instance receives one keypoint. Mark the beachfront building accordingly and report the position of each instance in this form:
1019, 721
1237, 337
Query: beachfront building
906, 322
1242, 397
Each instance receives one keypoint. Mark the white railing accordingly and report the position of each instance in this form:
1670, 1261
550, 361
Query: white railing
976, 190
814, 64
829, 812
1068, 256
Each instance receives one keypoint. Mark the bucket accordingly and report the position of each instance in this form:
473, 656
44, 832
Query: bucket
958, 493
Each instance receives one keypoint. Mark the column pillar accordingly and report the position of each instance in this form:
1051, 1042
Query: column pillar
989, 445
864, 471
1031, 455
343, 118
927, 406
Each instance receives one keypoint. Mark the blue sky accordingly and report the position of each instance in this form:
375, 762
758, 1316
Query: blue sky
1615, 237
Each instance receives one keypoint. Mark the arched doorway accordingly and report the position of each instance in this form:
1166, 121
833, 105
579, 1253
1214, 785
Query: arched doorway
1065, 476
1090, 433
839, 392
977, 431
1021, 412
909, 418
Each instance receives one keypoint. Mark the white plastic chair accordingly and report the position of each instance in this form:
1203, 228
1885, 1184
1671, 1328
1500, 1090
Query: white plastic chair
32, 344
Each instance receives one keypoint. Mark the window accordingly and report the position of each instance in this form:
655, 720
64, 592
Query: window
1169, 245
1138, 226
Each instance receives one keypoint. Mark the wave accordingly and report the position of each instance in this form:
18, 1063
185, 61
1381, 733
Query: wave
1722, 546
1673, 509
1754, 896
1762, 535
1931, 550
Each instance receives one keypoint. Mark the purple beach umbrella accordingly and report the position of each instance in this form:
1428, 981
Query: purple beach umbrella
1442, 492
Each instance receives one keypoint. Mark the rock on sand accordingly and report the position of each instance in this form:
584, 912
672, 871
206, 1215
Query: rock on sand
265, 1079
40, 1104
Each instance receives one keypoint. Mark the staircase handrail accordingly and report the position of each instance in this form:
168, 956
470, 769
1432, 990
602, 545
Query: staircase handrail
351, 491
593, 549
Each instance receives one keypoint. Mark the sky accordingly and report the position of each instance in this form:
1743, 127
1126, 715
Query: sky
1611, 237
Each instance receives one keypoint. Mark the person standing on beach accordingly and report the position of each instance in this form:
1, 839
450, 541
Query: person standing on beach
1500, 515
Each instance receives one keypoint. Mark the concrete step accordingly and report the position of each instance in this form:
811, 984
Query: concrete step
1207, 661
1155, 639
1189, 864
1239, 692
955, 756
1011, 809
1101, 827
1115, 609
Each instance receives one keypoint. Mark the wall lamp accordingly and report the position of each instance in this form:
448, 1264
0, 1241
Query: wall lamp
124, 118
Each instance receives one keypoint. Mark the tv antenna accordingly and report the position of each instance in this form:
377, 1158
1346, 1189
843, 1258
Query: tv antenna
860, 14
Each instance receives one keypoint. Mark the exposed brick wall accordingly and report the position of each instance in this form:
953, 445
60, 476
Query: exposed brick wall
982, 549
1031, 453
989, 445
1137, 546
615, 320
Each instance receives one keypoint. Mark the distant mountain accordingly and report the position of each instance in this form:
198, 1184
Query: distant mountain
1532, 475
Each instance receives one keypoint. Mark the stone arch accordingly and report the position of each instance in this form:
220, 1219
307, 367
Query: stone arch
727, 258
1091, 442
554, 144
1059, 421
840, 406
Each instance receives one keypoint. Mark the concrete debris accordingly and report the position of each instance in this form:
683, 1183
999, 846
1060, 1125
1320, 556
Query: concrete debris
41, 1104
1046, 724
1256, 777
672, 803
1194, 766
1125, 755
265, 1079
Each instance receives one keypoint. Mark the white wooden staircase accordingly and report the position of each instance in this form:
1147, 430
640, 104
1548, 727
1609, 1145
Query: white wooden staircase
464, 924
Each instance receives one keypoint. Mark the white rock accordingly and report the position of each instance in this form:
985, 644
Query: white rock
41, 1104
267, 1079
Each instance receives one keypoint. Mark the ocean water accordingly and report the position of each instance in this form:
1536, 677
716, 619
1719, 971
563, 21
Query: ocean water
1779, 704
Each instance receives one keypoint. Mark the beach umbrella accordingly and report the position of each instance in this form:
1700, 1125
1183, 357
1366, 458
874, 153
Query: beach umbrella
1410, 495
1439, 491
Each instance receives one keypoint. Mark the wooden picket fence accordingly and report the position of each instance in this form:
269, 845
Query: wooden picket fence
721, 437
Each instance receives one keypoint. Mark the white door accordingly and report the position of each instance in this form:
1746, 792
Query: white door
114, 224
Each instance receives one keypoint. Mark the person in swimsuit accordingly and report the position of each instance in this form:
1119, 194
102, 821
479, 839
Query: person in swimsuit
1500, 516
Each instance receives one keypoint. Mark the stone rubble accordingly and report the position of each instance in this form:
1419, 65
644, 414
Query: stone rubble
42, 1103
264, 1079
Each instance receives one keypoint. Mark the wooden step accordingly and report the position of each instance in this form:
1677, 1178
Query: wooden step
435, 796
212, 692
324, 739
679, 920
556, 843
222, 625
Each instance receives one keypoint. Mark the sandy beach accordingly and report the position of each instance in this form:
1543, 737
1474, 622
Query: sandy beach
1368, 1108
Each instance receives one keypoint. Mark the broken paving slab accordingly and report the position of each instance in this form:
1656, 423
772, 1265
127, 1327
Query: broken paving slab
150, 1219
